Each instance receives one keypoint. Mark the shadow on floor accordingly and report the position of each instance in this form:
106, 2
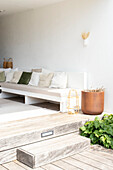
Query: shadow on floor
46, 105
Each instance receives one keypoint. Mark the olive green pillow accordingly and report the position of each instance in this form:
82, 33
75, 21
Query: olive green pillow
2, 76
25, 78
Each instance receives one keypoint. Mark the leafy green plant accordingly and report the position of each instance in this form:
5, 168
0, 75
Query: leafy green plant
100, 131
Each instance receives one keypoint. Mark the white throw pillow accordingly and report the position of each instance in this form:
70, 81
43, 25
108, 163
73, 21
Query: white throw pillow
16, 76
6, 70
46, 71
34, 79
59, 80
45, 80
14, 69
9, 76
38, 70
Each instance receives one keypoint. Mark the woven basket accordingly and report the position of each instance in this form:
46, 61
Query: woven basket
4, 63
10, 63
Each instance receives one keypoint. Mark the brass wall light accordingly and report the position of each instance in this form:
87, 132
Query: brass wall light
85, 37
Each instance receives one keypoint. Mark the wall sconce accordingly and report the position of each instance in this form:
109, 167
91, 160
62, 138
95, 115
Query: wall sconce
85, 37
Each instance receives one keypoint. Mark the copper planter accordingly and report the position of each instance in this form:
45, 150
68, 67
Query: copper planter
92, 102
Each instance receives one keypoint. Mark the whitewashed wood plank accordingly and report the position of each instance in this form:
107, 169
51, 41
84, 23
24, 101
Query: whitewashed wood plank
79, 164
101, 148
56, 143
7, 156
24, 123
51, 167
65, 165
26, 167
91, 162
32, 122
96, 157
27, 125
13, 166
22, 165
102, 154
2, 168
49, 118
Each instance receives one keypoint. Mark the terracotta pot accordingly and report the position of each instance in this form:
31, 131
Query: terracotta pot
92, 102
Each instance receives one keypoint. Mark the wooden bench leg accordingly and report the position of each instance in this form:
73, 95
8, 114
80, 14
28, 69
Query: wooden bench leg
63, 105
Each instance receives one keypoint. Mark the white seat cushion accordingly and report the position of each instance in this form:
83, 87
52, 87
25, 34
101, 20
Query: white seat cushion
59, 80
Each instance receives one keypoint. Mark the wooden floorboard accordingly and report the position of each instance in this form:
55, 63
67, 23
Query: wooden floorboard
98, 158
78, 164
63, 164
51, 167
3, 168
91, 162
26, 167
13, 166
102, 154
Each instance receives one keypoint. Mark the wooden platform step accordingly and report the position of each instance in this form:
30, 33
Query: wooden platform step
16, 134
44, 152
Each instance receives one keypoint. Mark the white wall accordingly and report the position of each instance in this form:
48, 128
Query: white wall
51, 37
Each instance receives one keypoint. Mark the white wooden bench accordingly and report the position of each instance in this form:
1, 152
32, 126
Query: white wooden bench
76, 80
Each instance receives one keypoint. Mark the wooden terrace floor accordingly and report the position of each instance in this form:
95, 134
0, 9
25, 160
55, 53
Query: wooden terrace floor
95, 158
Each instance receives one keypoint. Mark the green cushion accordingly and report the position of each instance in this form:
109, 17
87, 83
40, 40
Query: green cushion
2, 76
25, 78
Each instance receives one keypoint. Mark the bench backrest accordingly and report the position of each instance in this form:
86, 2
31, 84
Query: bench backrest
77, 80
